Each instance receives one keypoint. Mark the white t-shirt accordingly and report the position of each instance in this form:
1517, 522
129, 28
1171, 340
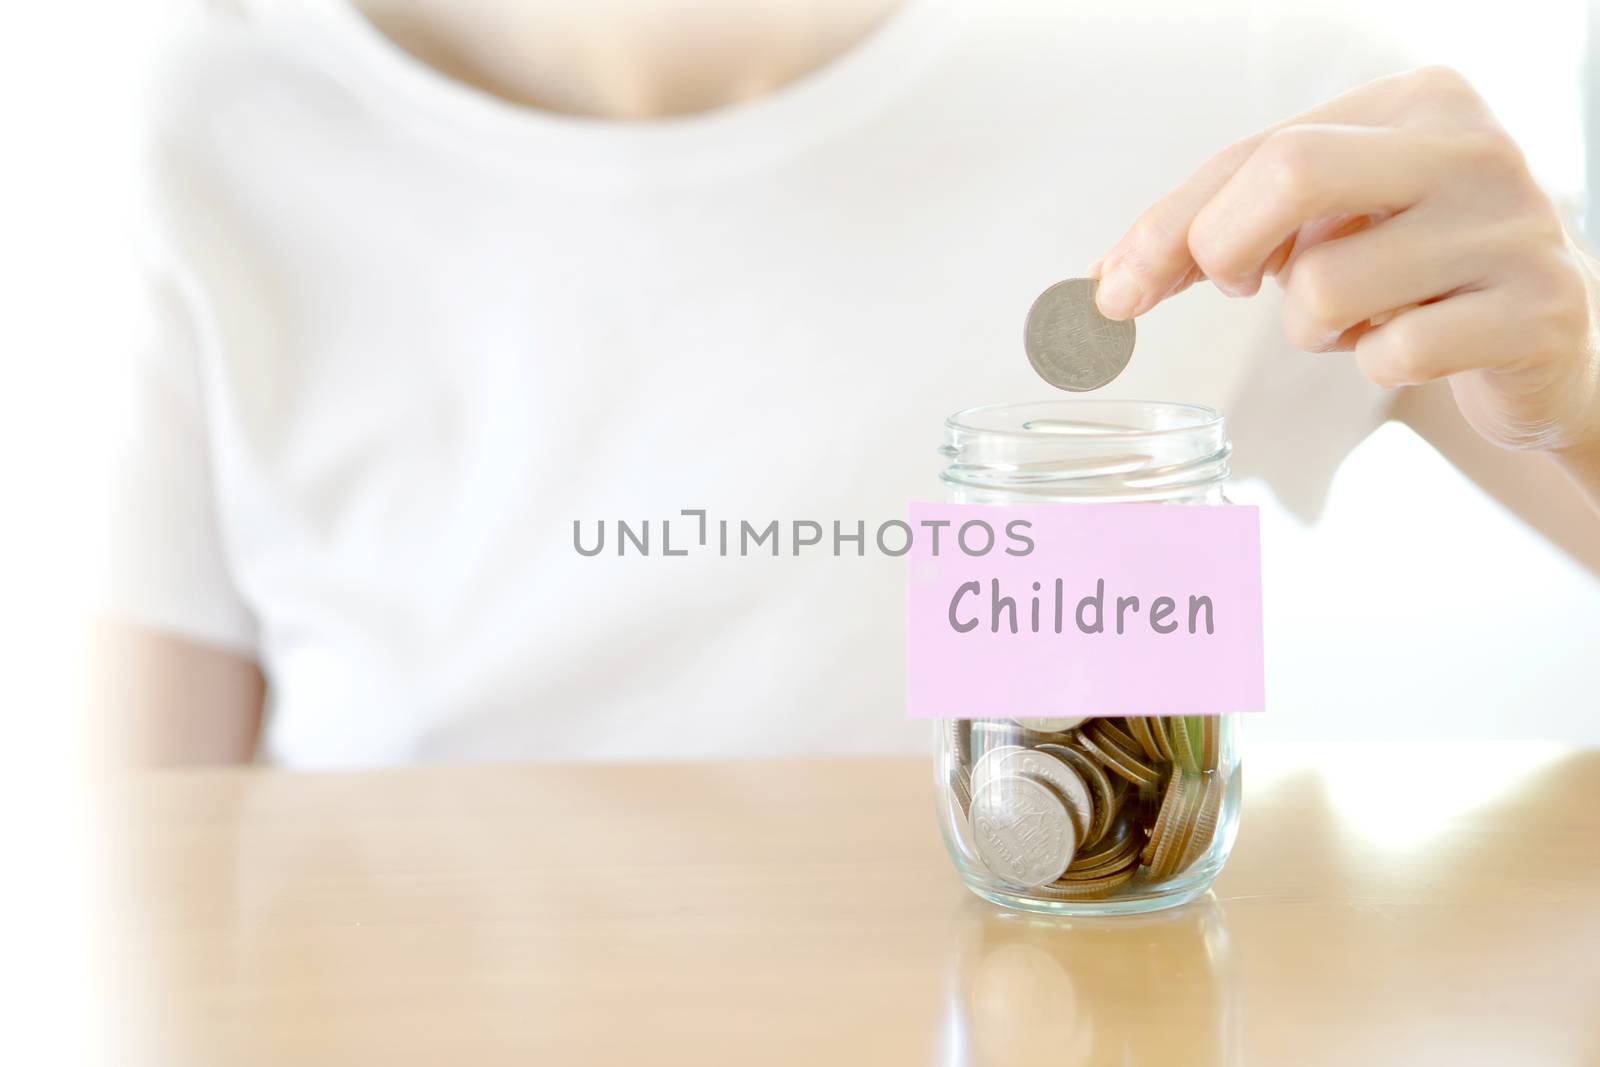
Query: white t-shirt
407, 334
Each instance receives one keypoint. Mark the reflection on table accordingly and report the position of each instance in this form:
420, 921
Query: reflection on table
1155, 988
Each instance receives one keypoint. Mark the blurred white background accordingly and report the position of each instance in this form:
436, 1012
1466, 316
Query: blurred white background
1399, 518
1349, 654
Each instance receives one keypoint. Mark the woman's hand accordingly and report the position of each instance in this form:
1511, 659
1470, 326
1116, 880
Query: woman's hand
1404, 226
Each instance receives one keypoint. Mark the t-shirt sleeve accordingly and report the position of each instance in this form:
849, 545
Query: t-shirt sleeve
165, 561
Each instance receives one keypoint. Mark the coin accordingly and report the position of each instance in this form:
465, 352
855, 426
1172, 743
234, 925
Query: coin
1022, 831
1048, 726
1205, 827
1170, 849
1210, 740
1058, 775
1086, 890
958, 734
1105, 797
1139, 727
1183, 753
1182, 855
1117, 759
1126, 860
1069, 343
961, 788
1171, 802
1158, 730
1125, 853
1138, 793
1116, 840
983, 770
1117, 734
993, 733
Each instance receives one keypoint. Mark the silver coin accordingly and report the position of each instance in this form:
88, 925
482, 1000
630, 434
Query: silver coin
983, 770
1100, 788
1022, 831
997, 733
1049, 726
1055, 773
1070, 344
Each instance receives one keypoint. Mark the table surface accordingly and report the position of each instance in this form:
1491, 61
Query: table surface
1384, 904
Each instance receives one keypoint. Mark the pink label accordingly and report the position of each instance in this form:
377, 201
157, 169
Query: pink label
1083, 609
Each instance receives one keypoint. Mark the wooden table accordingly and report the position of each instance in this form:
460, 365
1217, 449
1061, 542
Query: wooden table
1428, 904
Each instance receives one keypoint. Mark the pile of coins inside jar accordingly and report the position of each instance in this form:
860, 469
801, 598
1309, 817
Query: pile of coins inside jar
1074, 809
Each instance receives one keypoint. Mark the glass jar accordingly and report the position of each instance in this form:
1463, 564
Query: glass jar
1151, 802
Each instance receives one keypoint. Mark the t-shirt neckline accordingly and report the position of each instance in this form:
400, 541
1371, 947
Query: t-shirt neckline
734, 137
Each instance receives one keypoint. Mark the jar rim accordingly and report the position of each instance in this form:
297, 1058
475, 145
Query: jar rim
1200, 418
1097, 448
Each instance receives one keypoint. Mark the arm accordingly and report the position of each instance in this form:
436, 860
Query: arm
1527, 484
156, 697
167, 700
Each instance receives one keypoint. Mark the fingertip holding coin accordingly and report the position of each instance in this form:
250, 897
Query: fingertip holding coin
1117, 296
1070, 344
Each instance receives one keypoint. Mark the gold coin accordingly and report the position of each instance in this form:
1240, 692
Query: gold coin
1114, 842
1087, 890
1180, 827
1101, 743
1117, 732
1210, 742
1183, 752
1205, 827
1125, 855
1127, 862
1139, 727
1169, 805
1184, 834
1162, 738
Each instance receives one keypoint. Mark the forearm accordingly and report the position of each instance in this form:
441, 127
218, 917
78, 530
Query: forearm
1526, 483
163, 700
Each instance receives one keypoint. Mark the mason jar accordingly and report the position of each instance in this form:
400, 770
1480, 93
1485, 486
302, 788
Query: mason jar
1151, 802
